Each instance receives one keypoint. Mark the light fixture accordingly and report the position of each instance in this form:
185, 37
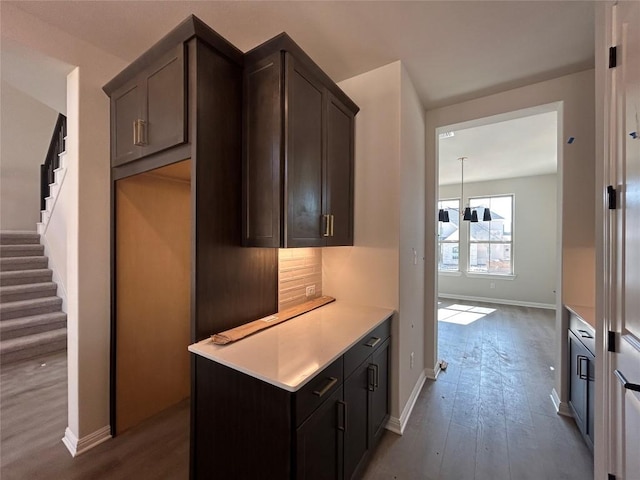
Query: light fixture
470, 215
443, 215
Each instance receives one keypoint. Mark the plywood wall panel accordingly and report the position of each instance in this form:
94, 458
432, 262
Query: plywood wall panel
153, 248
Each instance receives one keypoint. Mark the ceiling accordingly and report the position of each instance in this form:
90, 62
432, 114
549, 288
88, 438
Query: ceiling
517, 147
453, 50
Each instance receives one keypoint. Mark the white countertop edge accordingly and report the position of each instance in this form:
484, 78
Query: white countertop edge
200, 348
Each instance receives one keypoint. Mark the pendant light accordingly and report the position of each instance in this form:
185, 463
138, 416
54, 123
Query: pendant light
443, 215
470, 215
467, 211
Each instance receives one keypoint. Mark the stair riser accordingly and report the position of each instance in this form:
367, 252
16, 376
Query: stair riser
19, 240
28, 311
23, 332
16, 297
9, 281
25, 265
34, 351
21, 252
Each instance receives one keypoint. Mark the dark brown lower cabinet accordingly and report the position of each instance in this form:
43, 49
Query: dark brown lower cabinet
582, 387
246, 428
319, 448
366, 396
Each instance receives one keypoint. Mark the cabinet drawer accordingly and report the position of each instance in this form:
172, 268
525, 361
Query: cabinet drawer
583, 331
365, 347
309, 397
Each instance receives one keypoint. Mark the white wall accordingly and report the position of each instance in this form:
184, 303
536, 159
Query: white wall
574, 97
86, 218
534, 243
26, 127
389, 208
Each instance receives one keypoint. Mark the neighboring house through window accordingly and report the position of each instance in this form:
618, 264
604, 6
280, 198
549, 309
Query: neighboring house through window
449, 237
491, 242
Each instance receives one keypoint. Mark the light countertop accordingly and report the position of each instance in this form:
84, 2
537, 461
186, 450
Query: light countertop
290, 354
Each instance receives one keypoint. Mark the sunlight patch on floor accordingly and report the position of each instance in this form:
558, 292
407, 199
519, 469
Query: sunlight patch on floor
463, 314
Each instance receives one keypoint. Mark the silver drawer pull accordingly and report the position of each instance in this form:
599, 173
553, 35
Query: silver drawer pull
327, 387
373, 341
629, 386
585, 334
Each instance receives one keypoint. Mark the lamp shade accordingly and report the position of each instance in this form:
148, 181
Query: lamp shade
487, 215
467, 214
474, 216
446, 216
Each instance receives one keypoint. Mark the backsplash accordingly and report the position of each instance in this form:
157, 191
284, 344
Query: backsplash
298, 268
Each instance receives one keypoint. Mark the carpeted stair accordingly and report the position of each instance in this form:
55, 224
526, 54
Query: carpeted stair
31, 320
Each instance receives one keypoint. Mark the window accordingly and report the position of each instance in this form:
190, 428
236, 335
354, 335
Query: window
490, 243
449, 238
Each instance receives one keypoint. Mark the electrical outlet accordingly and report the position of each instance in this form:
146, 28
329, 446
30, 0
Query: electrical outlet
311, 291
411, 362
492, 285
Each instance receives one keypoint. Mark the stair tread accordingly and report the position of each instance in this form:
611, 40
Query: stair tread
33, 303
26, 273
14, 323
35, 339
28, 287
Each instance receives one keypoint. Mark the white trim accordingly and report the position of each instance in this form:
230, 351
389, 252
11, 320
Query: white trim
492, 276
451, 273
562, 408
432, 373
500, 301
78, 446
397, 425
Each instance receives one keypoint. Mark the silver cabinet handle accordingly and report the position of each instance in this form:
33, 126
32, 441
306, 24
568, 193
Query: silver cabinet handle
372, 378
139, 132
629, 386
342, 405
332, 381
373, 341
331, 225
327, 225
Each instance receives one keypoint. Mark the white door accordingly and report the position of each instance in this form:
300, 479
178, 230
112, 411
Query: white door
626, 363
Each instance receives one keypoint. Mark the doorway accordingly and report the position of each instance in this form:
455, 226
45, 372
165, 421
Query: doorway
153, 291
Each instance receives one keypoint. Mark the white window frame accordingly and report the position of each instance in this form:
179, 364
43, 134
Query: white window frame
470, 242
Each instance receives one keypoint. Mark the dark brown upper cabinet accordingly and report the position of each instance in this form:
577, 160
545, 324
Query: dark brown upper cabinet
148, 112
298, 151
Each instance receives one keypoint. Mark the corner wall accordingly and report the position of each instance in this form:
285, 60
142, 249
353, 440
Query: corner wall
389, 206
574, 94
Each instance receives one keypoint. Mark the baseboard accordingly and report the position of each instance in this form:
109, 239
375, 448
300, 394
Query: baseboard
562, 408
397, 425
432, 373
79, 446
500, 301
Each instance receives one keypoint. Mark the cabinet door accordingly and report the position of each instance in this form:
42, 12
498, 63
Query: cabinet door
339, 172
126, 108
305, 226
320, 442
578, 375
356, 435
165, 98
379, 396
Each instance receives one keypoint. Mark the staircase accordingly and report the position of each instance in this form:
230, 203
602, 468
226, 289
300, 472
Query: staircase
31, 320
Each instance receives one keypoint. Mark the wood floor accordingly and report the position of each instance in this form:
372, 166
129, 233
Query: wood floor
488, 417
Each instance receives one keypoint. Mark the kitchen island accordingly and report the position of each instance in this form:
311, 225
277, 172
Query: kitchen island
308, 398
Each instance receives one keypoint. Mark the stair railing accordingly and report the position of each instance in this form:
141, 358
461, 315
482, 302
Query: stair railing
52, 160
